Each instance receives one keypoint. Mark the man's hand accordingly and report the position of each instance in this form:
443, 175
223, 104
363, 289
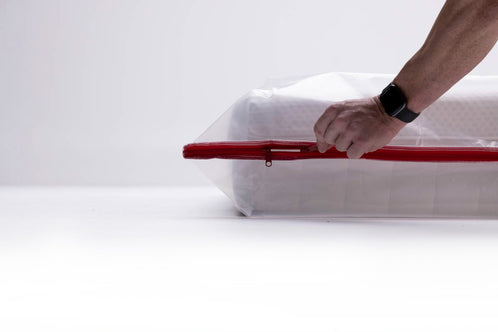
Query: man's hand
356, 126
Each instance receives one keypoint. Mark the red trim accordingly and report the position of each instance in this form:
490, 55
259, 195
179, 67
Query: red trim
264, 150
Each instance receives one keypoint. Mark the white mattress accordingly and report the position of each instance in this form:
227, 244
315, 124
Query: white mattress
466, 116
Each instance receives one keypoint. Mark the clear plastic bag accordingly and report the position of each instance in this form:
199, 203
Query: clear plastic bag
461, 126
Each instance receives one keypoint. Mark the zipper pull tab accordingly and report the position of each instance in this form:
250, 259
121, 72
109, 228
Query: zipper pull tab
268, 162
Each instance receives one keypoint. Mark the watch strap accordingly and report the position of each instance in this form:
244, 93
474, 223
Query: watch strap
406, 115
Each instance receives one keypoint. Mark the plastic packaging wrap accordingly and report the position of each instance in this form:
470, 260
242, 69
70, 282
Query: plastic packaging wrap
444, 164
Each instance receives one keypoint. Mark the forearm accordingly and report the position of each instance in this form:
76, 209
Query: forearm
464, 32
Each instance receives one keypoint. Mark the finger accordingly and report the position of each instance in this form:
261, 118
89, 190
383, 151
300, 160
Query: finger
322, 146
343, 142
319, 130
333, 131
324, 120
355, 151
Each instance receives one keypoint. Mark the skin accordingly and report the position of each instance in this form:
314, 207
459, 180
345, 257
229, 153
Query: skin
463, 34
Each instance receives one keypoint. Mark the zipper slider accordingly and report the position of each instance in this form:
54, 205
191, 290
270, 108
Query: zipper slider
268, 162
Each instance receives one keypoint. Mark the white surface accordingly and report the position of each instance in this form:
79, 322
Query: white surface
108, 92
177, 259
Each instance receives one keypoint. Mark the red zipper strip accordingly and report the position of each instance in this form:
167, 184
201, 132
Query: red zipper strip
293, 150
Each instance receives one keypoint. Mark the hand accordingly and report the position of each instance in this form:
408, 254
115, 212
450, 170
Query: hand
356, 126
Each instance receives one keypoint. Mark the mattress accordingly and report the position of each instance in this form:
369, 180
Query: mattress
261, 152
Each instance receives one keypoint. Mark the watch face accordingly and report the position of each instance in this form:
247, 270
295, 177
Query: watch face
392, 100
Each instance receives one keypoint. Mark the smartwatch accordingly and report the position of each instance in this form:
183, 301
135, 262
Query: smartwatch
394, 102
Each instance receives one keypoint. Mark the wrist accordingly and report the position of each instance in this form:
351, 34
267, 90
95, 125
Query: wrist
393, 122
417, 85
415, 101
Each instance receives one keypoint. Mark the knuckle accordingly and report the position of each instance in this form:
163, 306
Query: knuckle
329, 140
336, 105
342, 103
331, 110
340, 121
340, 148
319, 128
355, 126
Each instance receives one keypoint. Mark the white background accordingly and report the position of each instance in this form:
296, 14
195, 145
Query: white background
106, 93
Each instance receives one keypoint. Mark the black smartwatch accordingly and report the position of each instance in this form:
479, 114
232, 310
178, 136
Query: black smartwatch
394, 102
